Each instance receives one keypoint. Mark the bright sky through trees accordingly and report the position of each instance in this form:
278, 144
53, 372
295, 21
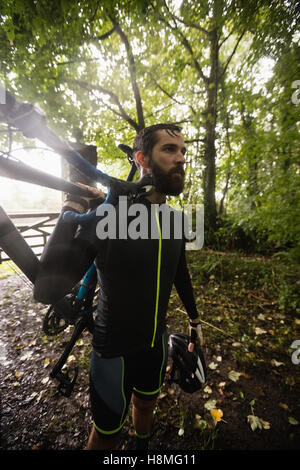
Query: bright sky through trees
25, 195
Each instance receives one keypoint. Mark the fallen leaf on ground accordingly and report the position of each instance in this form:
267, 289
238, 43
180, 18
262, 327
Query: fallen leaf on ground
276, 363
284, 406
217, 414
234, 375
210, 404
46, 363
257, 423
261, 317
259, 331
212, 365
246, 376
293, 421
37, 446
199, 422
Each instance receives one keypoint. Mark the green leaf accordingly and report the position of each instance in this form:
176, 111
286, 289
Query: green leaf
293, 421
234, 376
210, 404
257, 423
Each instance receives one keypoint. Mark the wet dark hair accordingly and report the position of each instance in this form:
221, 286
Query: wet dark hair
148, 137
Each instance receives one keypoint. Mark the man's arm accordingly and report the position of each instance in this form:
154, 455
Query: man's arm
185, 291
184, 286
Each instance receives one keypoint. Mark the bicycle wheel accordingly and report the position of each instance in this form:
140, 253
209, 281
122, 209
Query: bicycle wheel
53, 322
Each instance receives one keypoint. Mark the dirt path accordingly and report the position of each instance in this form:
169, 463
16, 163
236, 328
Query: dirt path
35, 416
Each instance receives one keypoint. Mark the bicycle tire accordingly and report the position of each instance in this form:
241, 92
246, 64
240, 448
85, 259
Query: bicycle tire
53, 322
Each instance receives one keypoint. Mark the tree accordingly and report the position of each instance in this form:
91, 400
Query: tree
202, 30
264, 136
107, 69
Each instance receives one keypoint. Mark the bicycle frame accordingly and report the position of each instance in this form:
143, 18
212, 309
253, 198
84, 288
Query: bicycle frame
12, 242
20, 171
86, 282
31, 123
26, 119
86, 293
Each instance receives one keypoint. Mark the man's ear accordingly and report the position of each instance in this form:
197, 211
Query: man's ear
142, 160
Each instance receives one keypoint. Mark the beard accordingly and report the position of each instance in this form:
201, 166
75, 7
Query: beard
168, 182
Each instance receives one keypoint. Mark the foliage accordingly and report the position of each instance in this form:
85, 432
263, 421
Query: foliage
101, 71
274, 277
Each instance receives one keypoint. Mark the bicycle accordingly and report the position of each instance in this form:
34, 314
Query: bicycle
78, 306
83, 302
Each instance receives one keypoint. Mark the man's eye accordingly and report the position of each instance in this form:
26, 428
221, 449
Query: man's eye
173, 149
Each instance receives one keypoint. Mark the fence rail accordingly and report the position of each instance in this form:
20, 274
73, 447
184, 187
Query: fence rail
36, 227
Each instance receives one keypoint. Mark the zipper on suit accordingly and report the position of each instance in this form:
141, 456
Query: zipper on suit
157, 277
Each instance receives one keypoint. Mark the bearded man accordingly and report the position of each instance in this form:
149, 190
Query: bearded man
130, 348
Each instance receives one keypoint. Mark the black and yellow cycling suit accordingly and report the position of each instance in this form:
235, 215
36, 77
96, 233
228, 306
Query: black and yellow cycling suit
136, 277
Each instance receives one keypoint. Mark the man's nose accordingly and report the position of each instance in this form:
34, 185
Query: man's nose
180, 158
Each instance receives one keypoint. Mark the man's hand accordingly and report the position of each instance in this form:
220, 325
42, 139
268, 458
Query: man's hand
195, 332
95, 192
83, 204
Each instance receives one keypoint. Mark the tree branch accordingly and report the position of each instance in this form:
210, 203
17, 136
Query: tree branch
189, 25
225, 39
114, 98
169, 95
191, 141
232, 54
228, 172
132, 72
188, 47
106, 35
80, 61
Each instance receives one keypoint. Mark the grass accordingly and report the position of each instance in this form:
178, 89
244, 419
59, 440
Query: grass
8, 268
250, 302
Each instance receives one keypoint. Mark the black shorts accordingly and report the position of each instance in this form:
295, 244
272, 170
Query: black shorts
113, 380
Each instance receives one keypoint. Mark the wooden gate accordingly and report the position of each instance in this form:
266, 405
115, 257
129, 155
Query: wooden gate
35, 227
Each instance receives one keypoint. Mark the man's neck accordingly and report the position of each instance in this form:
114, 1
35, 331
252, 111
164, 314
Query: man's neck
156, 198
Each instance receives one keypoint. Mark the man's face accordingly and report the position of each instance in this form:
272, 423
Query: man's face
167, 163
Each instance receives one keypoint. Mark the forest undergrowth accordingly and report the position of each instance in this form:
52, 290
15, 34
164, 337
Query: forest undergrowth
249, 312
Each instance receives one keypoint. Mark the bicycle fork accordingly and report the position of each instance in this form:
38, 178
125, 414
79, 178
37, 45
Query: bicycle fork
86, 291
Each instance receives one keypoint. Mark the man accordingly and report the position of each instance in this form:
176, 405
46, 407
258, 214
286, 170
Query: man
136, 277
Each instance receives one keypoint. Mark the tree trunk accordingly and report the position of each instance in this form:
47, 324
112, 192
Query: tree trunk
210, 208
253, 187
89, 152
